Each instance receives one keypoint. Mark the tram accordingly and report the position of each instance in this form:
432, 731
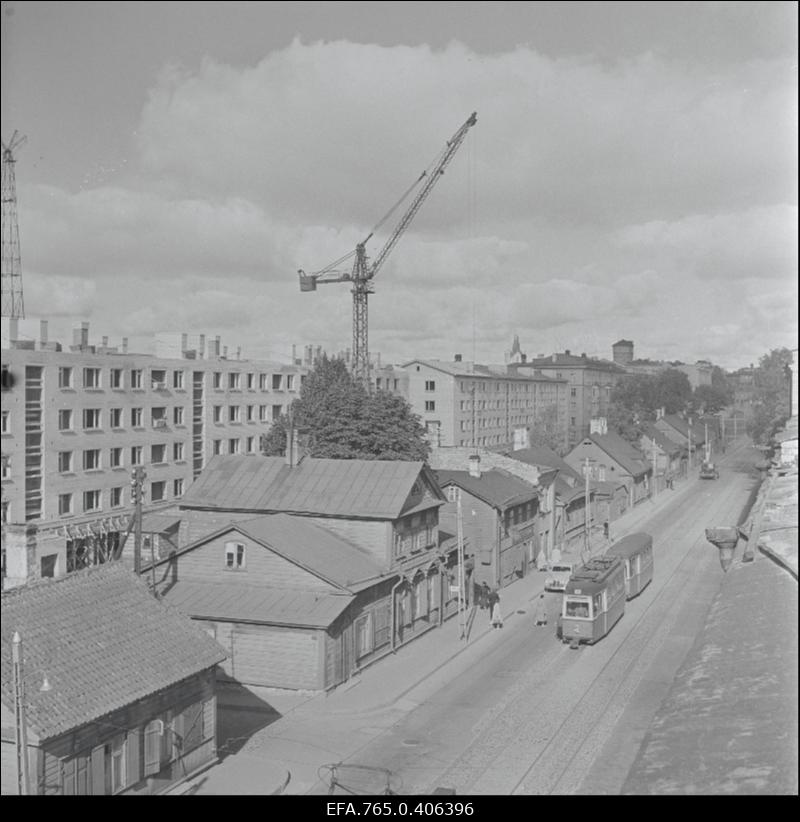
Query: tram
636, 553
593, 601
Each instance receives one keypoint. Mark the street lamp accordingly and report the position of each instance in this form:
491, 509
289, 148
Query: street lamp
725, 539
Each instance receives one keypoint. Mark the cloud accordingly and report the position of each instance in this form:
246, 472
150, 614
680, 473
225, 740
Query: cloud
591, 201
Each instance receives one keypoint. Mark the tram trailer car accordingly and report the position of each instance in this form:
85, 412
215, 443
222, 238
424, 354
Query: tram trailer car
593, 601
636, 553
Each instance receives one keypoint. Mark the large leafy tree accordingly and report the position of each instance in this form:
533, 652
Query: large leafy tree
771, 395
547, 431
338, 419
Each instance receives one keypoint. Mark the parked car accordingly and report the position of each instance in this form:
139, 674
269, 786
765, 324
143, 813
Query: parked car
708, 470
558, 576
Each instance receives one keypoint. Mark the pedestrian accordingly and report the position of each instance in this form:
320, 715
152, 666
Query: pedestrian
497, 617
606, 530
541, 611
484, 595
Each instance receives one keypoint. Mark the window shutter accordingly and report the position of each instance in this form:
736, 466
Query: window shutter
99, 771
68, 777
152, 748
133, 744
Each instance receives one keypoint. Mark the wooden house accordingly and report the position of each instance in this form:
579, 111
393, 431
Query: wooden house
387, 508
116, 691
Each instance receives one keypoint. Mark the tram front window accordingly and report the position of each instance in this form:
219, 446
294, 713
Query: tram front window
577, 608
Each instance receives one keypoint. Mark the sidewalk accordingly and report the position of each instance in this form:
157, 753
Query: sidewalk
389, 682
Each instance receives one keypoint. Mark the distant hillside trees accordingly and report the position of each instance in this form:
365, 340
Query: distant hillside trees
338, 419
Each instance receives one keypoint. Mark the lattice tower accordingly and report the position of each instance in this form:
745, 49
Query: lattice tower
12, 302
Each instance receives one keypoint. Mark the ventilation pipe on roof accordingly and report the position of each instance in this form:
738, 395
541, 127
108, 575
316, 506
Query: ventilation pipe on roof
475, 466
457, 358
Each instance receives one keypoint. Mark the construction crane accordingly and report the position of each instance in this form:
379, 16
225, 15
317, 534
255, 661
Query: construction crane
12, 302
363, 273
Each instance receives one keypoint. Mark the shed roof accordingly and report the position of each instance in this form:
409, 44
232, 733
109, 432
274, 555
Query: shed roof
254, 603
102, 640
374, 489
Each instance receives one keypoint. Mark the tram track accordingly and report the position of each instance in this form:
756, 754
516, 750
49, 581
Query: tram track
578, 700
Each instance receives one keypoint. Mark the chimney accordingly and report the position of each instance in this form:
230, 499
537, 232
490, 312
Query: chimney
224, 352
124, 345
238, 352
184, 343
105, 342
458, 358
583, 356
566, 351
80, 336
294, 354
201, 346
475, 466
555, 357
292, 447
524, 357
598, 425
43, 332
217, 346
13, 329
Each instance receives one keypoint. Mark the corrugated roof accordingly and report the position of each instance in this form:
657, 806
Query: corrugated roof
102, 640
253, 603
374, 489
314, 548
494, 487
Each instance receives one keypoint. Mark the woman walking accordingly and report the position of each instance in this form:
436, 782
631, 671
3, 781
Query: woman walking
497, 617
541, 611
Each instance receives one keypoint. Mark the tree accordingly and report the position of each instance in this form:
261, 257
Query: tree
546, 430
771, 395
339, 419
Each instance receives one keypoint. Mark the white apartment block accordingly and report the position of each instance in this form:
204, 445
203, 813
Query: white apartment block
464, 404
77, 422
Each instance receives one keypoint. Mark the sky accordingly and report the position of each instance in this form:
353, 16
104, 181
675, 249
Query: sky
632, 173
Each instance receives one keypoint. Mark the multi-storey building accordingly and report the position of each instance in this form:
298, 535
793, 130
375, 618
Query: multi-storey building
77, 421
464, 404
589, 385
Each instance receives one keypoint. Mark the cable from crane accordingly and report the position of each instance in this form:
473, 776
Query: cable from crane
397, 204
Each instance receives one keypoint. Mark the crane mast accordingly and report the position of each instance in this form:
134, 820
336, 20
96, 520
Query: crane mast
362, 272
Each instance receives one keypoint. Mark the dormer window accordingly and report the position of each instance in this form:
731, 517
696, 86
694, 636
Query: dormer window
234, 556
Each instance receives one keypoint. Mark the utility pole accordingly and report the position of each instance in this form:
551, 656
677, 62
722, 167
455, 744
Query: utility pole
689, 438
462, 613
20, 722
587, 510
655, 471
708, 447
137, 493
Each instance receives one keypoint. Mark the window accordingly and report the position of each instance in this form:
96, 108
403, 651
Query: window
364, 635
48, 566
177, 380
234, 413
430, 405
251, 381
64, 504
217, 379
177, 451
115, 417
158, 417
177, 415
251, 445
262, 382
290, 382
453, 493
276, 382
91, 459
158, 379
116, 496
572, 421
65, 378
233, 381
116, 378
137, 455
276, 412
91, 419
262, 413
136, 378
177, 488
234, 555
217, 446
158, 453
430, 385
136, 417
251, 410
5, 417
573, 392
233, 446
5, 467
91, 378
91, 500
115, 457
154, 746
115, 761
217, 411
64, 461
157, 490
